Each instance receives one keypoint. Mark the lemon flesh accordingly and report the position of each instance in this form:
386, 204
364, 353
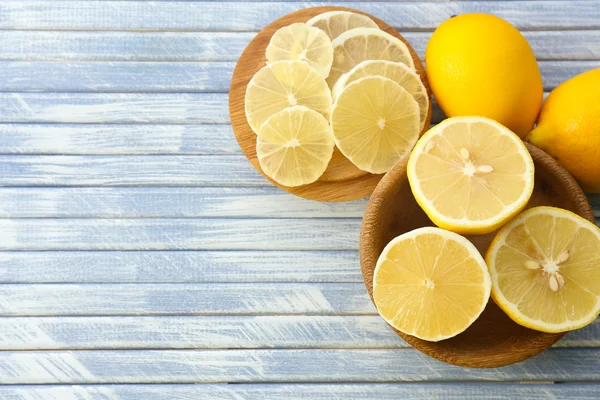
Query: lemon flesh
294, 146
285, 84
375, 123
398, 72
301, 42
471, 174
431, 283
334, 23
545, 269
360, 44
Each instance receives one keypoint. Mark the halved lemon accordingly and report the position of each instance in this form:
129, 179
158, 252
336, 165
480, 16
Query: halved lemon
301, 42
398, 72
334, 23
471, 174
294, 146
545, 268
375, 123
431, 283
360, 44
284, 84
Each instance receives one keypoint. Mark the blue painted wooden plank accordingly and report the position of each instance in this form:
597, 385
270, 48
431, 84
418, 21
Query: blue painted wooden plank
251, 16
185, 299
215, 366
179, 234
103, 202
228, 46
371, 391
17, 170
173, 77
218, 332
115, 108
124, 139
178, 266
205, 332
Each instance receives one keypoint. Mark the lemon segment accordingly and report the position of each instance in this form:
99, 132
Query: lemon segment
285, 84
398, 72
545, 269
334, 23
301, 42
360, 44
294, 146
470, 174
431, 284
375, 123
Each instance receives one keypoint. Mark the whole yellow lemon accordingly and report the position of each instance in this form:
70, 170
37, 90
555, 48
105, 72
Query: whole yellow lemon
569, 128
479, 64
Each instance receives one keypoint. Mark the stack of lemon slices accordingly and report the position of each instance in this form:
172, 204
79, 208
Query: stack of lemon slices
377, 111
472, 175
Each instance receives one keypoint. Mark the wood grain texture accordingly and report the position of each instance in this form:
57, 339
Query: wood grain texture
493, 340
161, 202
342, 181
114, 108
228, 46
371, 391
179, 234
175, 77
253, 16
211, 171
179, 266
184, 299
232, 366
124, 139
219, 332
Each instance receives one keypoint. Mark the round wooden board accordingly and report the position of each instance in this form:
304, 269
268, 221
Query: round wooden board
342, 181
494, 340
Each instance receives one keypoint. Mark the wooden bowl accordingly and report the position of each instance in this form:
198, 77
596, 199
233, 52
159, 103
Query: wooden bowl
494, 340
342, 181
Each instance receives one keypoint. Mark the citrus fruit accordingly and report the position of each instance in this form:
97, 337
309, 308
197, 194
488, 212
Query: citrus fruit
568, 128
334, 23
294, 146
431, 283
545, 269
284, 84
470, 174
479, 64
375, 123
303, 43
360, 44
398, 72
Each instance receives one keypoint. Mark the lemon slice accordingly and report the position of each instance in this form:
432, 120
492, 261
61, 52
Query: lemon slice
334, 23
294, 146
431, 283
360, 44
284, 84
545, 268
470, 174
398, 72
375, 123
301, 42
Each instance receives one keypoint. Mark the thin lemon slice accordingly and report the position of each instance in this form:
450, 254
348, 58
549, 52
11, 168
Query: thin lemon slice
545, 268
470, 174
360, 44
294, 146
375, 123
398, 72
334, 23
431, 283
284, 84
301, 42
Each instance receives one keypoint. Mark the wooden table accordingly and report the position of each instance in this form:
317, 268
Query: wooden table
144, 258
